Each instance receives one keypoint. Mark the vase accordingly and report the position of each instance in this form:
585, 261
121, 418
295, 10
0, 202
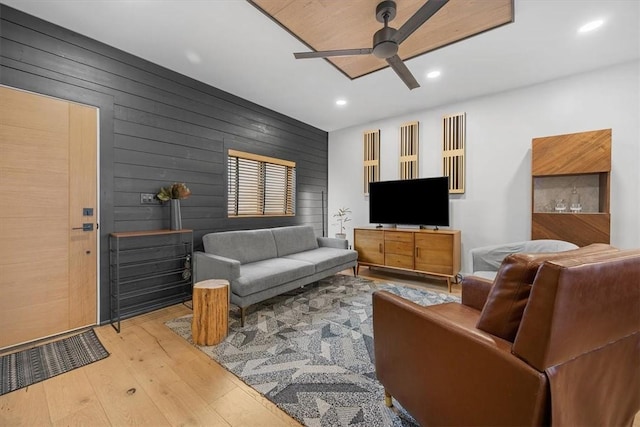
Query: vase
175, 218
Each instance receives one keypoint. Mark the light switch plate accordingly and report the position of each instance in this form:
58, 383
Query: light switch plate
148, 199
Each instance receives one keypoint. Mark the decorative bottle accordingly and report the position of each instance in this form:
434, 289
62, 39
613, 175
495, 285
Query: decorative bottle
574, 201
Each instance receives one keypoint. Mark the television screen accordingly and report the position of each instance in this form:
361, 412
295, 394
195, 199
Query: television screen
422, 201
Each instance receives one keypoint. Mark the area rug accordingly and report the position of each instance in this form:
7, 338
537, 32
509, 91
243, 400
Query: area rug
311, 352
27, 367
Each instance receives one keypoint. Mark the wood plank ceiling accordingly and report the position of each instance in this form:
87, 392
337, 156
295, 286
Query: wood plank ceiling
346, 24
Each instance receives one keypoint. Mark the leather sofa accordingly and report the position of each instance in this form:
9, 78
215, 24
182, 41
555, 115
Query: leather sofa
553, 340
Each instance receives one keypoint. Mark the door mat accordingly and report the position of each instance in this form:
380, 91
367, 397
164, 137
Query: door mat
30, 366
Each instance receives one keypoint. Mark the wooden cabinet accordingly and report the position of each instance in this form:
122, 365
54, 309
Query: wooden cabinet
432, 252
563, 167
370, 246
436, 253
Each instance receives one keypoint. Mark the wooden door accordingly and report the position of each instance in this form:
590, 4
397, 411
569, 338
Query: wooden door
370, 246
435, 253
48, 277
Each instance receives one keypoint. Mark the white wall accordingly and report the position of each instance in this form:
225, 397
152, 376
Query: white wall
496, 206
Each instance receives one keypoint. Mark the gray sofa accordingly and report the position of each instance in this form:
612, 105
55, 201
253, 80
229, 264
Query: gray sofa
487, 259
263, 263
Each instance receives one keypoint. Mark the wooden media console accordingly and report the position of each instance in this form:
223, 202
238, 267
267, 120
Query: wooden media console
432, 252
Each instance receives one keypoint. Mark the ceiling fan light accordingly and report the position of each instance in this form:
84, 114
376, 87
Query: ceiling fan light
385, 50
383, 46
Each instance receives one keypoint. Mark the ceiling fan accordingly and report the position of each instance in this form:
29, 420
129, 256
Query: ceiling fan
387, 40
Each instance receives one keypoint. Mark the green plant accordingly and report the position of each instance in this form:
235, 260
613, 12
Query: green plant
343, 217
177, 190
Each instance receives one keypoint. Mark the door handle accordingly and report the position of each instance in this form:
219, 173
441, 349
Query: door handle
87, 226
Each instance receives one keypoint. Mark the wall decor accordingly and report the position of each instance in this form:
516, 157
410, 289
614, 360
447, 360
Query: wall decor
371, 141
453, 143
409, 150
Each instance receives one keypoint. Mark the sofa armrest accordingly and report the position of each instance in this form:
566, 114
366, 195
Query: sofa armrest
332, 242
209, 266
434, 362
475, 291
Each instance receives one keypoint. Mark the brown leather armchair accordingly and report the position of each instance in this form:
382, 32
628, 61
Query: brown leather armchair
554, 340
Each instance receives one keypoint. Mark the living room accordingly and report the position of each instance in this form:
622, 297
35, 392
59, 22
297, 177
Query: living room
158, 126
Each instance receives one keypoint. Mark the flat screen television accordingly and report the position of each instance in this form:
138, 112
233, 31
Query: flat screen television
422, 201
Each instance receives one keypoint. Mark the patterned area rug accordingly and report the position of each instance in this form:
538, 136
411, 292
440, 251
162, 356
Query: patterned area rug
27, 367
311, 352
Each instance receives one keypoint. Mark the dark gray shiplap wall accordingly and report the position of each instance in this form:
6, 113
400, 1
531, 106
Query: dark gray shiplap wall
158, 127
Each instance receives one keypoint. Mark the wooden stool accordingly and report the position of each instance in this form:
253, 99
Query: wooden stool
210, 322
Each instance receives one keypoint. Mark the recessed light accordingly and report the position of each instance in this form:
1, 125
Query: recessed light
590, 26
433, 74
193, 57
341, 102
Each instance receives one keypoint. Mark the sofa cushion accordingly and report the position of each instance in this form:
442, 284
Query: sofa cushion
294, 239
260, 275
245, 245
509, 294
325, 258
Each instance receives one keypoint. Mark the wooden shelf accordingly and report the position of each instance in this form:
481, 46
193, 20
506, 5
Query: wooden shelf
146, 271
560, 163
581, 229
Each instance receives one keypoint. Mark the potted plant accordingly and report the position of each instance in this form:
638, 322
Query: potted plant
343, 217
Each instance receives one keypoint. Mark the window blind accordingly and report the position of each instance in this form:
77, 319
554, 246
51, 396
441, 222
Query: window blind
260, 186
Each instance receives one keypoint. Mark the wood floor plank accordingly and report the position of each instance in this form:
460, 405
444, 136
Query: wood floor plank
177, 401
151, 365
238, 408
91, 414
25, 407
124, 400
179, 351
69, 393
206, 377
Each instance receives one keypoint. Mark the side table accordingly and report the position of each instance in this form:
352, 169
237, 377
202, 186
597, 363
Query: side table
210, 322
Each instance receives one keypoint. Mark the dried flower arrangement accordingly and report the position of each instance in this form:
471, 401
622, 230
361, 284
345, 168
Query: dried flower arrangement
177, 190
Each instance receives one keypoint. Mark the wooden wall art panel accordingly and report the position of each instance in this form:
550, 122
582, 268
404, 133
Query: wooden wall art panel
409, 150
371, 142
453, 150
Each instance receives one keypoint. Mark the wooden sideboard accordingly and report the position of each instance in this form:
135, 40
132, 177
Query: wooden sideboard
432, 252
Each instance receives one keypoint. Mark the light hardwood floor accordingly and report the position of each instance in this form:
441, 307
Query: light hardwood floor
155, 378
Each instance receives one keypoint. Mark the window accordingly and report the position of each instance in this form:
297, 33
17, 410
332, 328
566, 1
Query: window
260, 186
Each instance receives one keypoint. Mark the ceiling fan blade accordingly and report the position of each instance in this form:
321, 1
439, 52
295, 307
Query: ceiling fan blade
403, 72
420, 17
339, 52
